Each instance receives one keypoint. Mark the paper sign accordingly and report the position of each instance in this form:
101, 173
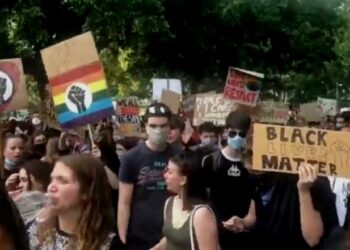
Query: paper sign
172, 100
327, 106
243, 86
128, 112
78, 83
311, 112
13, 91
165, 84
283, 149
212, 108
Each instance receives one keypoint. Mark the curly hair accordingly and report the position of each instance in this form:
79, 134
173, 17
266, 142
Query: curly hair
96, 220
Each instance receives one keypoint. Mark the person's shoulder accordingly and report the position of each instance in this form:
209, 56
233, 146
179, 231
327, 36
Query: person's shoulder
202, 213
135, 151
175, 149
114, 242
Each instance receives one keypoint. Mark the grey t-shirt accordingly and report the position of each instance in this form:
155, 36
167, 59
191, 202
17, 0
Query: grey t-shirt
144, 168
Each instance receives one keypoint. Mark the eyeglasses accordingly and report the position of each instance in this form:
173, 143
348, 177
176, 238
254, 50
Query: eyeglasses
233, 133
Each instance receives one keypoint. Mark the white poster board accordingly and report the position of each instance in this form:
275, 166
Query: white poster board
159, 85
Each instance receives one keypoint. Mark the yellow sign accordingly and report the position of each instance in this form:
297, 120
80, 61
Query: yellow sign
283, 149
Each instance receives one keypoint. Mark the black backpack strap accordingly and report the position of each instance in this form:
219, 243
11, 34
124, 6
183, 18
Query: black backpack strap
216, 160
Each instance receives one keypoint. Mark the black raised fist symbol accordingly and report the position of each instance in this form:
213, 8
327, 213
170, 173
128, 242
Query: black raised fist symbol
2, 89
77, 96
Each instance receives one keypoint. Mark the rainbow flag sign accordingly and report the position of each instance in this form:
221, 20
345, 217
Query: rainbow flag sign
78, 85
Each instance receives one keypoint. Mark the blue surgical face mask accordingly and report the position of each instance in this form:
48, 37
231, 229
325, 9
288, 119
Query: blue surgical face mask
236, 143
208, 141
9, 164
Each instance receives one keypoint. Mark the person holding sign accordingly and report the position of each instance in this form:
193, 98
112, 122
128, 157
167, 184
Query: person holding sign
230, 184
294, 211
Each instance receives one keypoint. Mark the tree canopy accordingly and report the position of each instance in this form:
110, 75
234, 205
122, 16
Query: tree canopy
301, 46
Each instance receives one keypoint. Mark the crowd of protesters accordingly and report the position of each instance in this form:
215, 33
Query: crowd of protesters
62, 191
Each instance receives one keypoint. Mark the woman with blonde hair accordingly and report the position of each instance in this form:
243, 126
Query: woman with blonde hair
80, 214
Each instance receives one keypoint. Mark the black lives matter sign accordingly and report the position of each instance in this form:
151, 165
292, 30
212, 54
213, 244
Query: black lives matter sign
283, 149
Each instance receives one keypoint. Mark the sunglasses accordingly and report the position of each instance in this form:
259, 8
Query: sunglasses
233, 133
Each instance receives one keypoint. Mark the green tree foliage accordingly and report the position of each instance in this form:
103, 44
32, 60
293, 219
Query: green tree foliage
302, 46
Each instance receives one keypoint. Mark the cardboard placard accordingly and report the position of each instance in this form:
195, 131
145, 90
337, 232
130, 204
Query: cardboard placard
311, 112
212, 108
13, 91
78, 83
274, 112
283, 149
128, 112
243, 86
172, 100
327, 106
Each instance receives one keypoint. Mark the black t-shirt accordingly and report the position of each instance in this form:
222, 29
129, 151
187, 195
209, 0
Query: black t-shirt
278, 211
145, 169
231, 187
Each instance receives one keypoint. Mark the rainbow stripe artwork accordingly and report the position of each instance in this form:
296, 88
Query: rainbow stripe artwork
81, 96
78, 84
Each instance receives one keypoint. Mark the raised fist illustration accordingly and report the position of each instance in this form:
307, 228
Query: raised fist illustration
2, 89
77, 96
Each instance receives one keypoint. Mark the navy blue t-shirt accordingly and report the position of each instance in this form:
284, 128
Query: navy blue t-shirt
144, 168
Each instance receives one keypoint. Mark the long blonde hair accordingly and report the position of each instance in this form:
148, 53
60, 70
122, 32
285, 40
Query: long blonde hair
97, 218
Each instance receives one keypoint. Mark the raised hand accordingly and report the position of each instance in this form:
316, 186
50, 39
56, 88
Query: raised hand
77, 96
2, 89
307, 177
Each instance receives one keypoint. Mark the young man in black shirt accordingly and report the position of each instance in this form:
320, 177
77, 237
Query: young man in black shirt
231, 189
142, 189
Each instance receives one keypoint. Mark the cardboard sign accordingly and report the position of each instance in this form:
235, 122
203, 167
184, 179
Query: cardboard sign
77, 80
13, 91
311, 112
273, 112
172, 100
159, 85
128, 112
327, 106
212, 108
188, 106
283, 149
243, 86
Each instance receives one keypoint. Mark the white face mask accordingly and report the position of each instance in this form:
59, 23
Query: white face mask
158, 136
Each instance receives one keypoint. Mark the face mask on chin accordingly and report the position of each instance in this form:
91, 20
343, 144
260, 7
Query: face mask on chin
10, 164
158, 136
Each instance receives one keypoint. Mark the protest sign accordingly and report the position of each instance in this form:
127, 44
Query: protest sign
188, 106
165, 84
172, 100
128, 112
13, 91
283, 149
327, 106
311, 112
273, 112
243, 86
77, 80
212, 108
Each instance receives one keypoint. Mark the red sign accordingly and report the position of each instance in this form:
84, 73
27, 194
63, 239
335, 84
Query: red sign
243, 86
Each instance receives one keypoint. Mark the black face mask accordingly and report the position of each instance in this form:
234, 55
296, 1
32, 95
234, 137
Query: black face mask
40, 149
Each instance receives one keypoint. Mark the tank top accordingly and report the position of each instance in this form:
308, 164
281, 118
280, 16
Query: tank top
176, 238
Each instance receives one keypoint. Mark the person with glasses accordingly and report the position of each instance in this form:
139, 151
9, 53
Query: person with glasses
142, 188
230, 185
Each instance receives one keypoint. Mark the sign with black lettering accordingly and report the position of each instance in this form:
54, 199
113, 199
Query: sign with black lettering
212, 108
283, 149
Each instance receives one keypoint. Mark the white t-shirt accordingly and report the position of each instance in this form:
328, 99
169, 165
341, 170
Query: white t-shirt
341, 188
